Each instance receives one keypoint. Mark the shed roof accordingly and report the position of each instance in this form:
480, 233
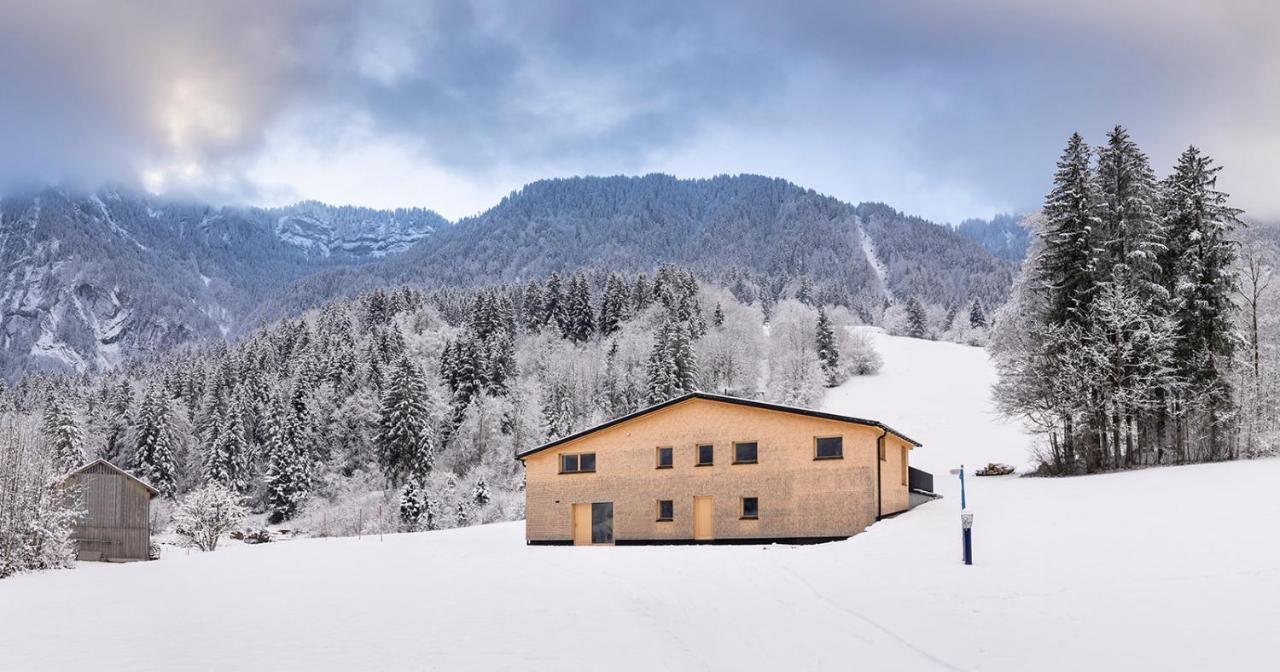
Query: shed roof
112, 467
723, 399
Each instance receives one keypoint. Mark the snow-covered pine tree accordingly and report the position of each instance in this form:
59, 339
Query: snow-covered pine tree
977, 316
1199, 223
641, 293
531, 306
554, 303
414, 504
1132, 236
403, 442
828, 349
286, 470
480, 492
917, 321
717, 316
804, 293
949, 319
614, 305
579, 325
557, 410
462, 514
120, 418
62, 434
227, 460
155, 443
1066, 268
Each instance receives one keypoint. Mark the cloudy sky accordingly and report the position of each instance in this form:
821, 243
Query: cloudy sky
947, 109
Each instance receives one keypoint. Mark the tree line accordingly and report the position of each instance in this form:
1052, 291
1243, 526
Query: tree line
1119, 341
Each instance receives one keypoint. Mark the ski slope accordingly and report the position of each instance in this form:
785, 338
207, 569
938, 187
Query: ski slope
1174, 568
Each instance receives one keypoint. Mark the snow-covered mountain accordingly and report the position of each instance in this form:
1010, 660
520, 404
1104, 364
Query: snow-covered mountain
352, 231
89, 279
772, 232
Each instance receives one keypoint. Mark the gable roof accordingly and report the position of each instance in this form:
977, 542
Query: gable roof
752, 403
112, 467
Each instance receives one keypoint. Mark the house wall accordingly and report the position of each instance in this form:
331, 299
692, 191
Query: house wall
117, 511
799, 497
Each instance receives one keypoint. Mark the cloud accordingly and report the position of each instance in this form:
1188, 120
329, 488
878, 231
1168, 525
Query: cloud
944, 109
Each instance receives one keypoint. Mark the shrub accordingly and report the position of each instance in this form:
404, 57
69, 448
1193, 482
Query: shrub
206, 514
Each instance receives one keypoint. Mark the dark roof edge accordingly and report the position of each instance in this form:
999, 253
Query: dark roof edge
724, 399
122, 472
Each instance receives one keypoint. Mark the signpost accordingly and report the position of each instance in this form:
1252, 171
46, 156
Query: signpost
966, 520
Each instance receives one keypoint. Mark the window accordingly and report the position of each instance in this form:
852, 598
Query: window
577, 463
602, 522
664, 457
750, 508
904, 465
829, 448
706, 455
745, 452
666, 510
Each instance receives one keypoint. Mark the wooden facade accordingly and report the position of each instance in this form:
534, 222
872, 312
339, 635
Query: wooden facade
115, 524
706, 468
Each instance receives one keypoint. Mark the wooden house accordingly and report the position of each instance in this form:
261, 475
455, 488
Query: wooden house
115, 524
705, 468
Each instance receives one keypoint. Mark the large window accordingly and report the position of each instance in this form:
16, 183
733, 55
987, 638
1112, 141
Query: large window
664, 457
904, 465
745, 452
602, 523
577, 463
666, 510
829, 448
706, 455
750, 508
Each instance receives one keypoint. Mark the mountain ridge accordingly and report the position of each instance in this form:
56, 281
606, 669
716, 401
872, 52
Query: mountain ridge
91, 279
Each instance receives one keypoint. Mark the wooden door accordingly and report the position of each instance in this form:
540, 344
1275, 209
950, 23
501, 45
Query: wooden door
702, 518
582, 524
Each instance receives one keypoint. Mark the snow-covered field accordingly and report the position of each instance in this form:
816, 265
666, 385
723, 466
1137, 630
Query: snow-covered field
1174, 568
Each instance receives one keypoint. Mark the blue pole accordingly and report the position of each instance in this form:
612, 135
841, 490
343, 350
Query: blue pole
968, 546
963, 505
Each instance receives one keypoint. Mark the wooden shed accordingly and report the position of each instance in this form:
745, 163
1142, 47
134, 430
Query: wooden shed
116, 507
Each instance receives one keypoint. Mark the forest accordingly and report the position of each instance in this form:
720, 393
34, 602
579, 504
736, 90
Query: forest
1122, 341
403, 409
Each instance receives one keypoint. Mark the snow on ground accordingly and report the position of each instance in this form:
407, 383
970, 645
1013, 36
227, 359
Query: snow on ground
1173, 568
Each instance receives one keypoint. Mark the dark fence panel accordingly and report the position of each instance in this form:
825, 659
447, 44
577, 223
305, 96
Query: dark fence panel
920, 480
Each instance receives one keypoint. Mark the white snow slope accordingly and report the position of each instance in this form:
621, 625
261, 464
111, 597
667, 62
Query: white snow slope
1173, 568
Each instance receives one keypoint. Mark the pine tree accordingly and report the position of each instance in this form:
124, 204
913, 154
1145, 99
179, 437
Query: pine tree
461, 514
480, 492
1067, 266
1199, 222
531, 306
977, 317
953, 309
63, 435
1133, 238
557, 410
804, 294
120, 408
554, 304
579, 324
917, 321
414, 504
403, 443
227, 460
828, 352
154, 443
286, 473
614, 305
717, 317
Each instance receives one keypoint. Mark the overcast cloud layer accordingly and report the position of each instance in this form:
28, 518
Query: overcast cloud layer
948, 110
